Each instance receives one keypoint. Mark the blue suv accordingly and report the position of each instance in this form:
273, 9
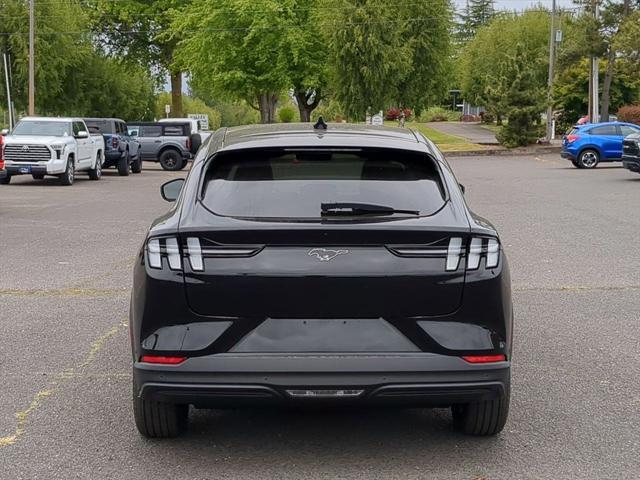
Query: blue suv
587, 145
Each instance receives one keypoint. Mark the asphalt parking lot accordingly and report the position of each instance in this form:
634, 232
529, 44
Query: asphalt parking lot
66, 255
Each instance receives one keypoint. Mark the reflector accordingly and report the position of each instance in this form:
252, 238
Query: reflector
162, 360
484, 358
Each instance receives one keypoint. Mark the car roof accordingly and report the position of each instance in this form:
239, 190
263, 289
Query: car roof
102, 118
590, 125
52, 119
341, 135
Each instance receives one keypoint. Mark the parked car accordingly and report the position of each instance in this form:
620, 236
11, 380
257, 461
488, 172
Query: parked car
40, 146
298, 268
122, 150
167, 143
589, 144
631, 152
196, 126
3, 171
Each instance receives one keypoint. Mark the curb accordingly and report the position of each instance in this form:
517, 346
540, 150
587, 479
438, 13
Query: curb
506, 151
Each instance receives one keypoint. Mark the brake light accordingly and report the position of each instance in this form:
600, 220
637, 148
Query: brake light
572, 138
1, 152
162, 360
484, 358
164, 247
487, 247
188, 144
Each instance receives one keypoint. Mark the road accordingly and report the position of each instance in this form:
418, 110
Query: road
66, 256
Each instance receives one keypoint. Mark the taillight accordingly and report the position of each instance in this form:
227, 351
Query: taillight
1, 152
162, 360
168, 247
188, 144
478, 247
572, 138
484, 358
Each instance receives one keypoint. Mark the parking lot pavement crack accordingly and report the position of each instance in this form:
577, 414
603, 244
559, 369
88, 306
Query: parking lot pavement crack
22, 416
578, 288
65, 292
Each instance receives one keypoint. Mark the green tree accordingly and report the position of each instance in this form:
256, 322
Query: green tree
475, 14
253, 52
139, 30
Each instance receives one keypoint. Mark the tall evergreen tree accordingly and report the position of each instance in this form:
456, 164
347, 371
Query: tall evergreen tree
475, 14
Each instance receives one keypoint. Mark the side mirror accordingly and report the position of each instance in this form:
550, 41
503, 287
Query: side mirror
170, 191
82, 134
462, 187
4, 131
196, 141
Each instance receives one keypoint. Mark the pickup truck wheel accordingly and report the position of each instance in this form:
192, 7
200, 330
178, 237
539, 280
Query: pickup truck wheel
96, 173
483, 418
37, 176
6, 180
123, 165
69, 174
171, 160
159, 419
588, 158
136, 166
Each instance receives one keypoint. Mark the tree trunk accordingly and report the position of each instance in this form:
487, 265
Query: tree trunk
267, 105
499, 120
606, 87
176, 94
306, 105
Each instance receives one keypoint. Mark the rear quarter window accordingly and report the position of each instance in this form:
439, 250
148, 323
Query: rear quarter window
175, 130
294, 184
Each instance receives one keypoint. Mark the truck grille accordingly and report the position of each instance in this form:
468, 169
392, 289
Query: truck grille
630, 147
26, 153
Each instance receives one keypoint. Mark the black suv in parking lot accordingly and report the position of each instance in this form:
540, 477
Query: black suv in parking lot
319, 264
631, 152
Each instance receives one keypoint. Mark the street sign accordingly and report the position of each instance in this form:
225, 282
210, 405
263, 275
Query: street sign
202, 118
377, 119
167, 109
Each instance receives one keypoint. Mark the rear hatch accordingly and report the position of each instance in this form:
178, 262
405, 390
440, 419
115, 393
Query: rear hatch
271, 251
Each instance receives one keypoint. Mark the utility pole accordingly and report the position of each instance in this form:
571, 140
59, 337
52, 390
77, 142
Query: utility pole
32, 82
7, 78
552, 61
594, 113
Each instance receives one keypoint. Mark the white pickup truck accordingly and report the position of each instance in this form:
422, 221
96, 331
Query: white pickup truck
61, 147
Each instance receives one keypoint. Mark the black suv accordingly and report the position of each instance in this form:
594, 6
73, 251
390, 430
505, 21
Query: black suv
320, 264
631, 152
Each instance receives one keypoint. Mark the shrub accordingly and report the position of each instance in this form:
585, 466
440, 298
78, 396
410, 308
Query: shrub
629, 113
439, 114
394, 114
329, 110
287, 114
522, 128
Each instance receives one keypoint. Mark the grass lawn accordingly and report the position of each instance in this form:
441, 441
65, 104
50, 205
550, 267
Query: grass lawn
444, 141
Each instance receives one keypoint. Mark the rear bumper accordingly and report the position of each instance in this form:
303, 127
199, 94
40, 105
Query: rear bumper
231, 380
567, 155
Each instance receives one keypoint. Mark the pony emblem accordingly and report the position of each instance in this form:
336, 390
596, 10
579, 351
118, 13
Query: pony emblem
324, 255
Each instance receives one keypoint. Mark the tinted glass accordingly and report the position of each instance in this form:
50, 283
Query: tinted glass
151, 131
43, 127
105, 126
77, 127
174, 131
280, 184
604, 130
627, 130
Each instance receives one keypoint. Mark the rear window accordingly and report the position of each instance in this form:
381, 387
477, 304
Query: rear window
175, 130
289, 184
102, 126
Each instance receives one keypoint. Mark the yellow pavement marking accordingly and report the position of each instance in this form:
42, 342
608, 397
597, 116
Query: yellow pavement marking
23, 415
66, 292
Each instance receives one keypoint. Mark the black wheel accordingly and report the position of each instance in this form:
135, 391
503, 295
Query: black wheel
136, 166
37, 176
69, 174
588, 158
171, 160
159, 419
6, 180
96, 173
184, 164
483, 418
123, 165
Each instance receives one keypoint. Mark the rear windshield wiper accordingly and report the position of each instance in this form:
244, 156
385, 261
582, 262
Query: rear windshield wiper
346, 208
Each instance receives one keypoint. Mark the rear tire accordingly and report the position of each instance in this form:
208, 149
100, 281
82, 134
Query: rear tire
588, 158
6, 180
576, 164
171, 160
159, 419
37, 176
69, 174
483, 418
123, 165
96, 173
